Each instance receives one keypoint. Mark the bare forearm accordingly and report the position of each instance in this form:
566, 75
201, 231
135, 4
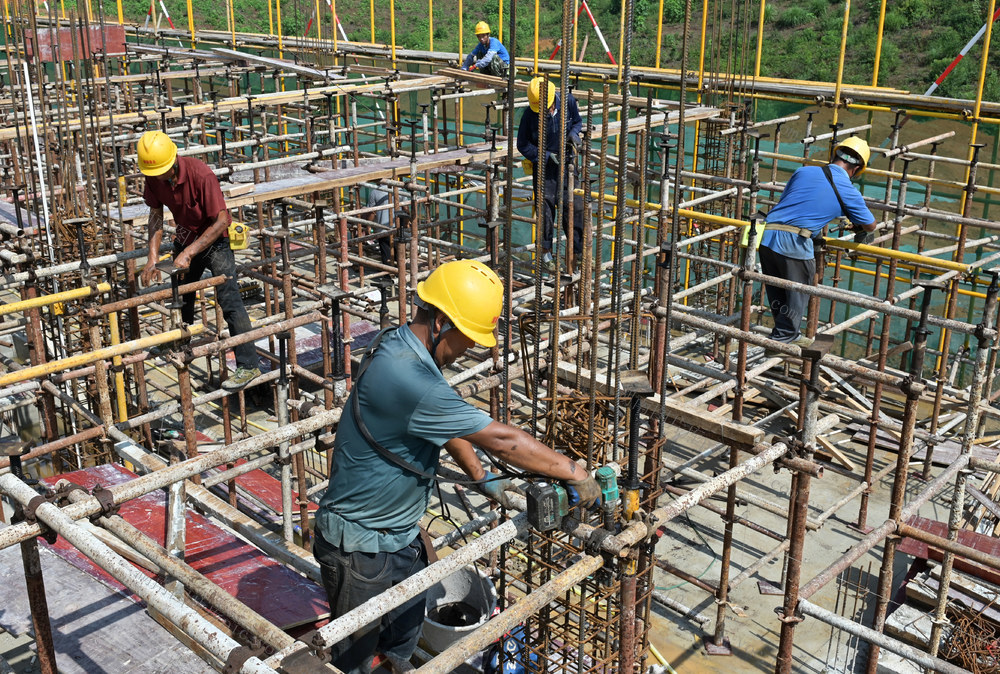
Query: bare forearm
465, 456
517, 448
210, 235
155, 224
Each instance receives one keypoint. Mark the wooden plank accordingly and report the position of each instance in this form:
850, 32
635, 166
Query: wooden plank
835, 452
987, 502
336, 178
681, 415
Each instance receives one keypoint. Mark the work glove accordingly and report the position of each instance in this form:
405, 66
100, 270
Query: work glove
861, 236
585, 492
574, 140
495, 487
554, 158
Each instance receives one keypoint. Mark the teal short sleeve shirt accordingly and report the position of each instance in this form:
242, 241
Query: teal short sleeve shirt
372, 505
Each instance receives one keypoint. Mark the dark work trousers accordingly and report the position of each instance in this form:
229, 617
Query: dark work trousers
351, 579
220, 259
550, 196
787, 306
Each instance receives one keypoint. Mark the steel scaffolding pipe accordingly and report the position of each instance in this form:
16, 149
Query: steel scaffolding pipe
877, 638
211, 638
179, 471
459, 652
397, 595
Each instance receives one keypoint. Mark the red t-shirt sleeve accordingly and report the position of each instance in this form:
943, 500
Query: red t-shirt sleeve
211, 194
149, 196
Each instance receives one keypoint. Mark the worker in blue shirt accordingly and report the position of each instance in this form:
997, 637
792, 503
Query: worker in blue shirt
400, 413
489, 56
546, 163
813, 197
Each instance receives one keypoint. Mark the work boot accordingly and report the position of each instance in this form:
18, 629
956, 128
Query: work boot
801, 341
399, 666
240, 378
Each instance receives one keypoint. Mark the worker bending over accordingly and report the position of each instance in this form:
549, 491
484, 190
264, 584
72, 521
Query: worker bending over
400, 413
488, 56
191, 191
545, 163
813, 197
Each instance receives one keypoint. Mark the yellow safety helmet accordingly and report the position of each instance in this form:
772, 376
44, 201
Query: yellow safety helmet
534, 90
482, 28
156, 153
856, 149
470, 294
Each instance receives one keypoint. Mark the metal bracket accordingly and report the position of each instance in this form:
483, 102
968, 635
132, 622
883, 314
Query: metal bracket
308, 660
106, 499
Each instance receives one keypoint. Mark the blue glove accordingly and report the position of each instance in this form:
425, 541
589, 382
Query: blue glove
585, 492
495, 487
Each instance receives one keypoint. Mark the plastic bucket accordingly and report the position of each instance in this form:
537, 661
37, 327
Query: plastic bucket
456, 606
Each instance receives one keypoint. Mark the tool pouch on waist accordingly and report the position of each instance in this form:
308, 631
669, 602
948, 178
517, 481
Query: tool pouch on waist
239, 235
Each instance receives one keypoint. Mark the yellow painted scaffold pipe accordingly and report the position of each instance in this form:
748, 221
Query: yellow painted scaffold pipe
106, 353
901, 255
54, 298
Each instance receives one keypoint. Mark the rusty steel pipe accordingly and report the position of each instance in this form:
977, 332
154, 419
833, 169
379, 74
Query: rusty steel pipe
458, 653
413, 586
183, 470
185, 618
158, 295
879, 533
194, 581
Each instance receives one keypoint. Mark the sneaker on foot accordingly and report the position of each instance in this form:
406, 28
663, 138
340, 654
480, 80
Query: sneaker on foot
240, 378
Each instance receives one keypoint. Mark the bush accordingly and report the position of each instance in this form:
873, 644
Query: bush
895, 21
793, 17
673, 11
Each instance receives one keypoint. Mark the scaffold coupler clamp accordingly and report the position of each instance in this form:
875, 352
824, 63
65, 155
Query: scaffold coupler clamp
106, 500
307, 660
793, 619
30, 515
239, 656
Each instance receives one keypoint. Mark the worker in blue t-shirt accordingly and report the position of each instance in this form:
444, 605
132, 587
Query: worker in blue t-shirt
400, 413
813, 197
489, 56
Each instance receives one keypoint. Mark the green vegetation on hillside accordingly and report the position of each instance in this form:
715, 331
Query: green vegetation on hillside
802, 37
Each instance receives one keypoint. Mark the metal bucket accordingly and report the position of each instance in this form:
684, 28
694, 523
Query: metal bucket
457, 606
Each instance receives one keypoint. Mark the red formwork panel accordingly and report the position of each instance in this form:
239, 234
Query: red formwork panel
282, 596
90, 40
981, 542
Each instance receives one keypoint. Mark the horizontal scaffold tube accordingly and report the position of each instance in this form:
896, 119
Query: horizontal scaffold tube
107, 353
863, 301
399, 594
54, 298
179, 471
214, 640
456, 654
879, 639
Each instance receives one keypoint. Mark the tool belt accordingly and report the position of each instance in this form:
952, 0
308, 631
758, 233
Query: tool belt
801, 231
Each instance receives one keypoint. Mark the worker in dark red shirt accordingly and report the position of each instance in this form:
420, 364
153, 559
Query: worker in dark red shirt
191, 191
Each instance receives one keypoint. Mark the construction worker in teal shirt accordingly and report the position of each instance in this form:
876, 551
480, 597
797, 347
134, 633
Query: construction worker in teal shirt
400, 414
489, 56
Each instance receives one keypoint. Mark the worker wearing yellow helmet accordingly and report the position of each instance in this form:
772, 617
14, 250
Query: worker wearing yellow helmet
400, 413
545, 161
792, 241
189, 189
488, 57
